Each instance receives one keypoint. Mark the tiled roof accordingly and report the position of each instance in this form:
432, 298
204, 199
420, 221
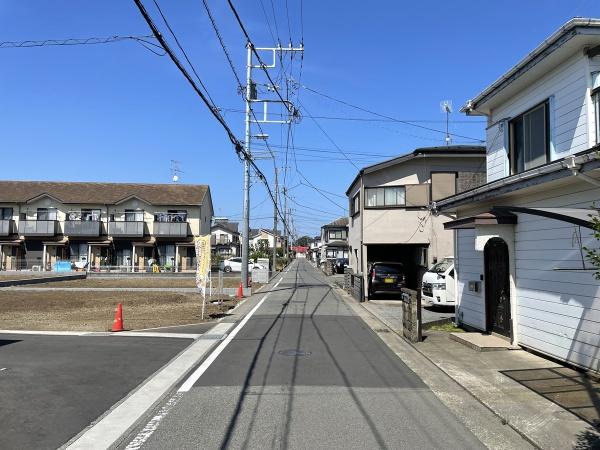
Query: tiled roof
229, 226
341, 222
103, 193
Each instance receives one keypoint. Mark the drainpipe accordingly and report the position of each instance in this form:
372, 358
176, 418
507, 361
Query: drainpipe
572, 163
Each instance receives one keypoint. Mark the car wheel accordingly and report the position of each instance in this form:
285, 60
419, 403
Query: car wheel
227, 269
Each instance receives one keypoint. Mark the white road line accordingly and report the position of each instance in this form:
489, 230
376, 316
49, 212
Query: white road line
187, 385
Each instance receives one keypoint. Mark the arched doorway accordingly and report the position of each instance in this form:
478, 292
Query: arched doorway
497, 287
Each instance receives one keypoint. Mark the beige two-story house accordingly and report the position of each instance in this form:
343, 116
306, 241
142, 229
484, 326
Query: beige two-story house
101, 226
390, 219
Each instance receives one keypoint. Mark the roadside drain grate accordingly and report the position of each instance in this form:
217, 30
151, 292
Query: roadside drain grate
294, 352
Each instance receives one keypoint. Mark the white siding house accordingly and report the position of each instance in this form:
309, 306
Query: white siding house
521, 264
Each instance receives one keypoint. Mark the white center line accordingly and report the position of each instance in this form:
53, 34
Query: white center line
187, 385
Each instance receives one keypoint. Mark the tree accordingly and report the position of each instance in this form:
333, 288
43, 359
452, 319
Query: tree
303, 241
593, 254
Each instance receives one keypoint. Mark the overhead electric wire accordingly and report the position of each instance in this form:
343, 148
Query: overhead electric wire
213, 109
319, 191
360, 108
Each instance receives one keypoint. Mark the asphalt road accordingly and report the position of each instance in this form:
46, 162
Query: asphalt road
52, 387
306, 372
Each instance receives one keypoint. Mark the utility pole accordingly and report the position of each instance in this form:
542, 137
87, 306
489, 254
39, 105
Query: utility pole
285, 217
250, 98
275, 222
246, 209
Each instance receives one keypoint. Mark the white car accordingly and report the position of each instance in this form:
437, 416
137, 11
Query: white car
235, 265
437, 287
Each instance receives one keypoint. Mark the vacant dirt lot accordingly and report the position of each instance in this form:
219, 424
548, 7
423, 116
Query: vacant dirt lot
20, 276
94, 311
138, 283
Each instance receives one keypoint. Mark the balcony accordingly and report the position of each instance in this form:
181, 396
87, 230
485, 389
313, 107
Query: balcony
7, 227
170, 229
89, 228
42, 228
126, 229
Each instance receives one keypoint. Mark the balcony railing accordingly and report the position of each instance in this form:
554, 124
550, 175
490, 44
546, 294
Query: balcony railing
82, 228
7, 227
126, 229
38, 227
170, 229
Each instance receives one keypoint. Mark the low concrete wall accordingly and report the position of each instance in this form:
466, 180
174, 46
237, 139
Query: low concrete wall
38, 280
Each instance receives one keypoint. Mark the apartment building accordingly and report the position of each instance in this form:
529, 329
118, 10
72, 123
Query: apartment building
101, 226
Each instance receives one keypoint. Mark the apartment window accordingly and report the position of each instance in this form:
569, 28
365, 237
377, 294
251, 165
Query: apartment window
386, 196
6, 213
132, 215
90, 215
529, 139
46, 214
172, 215
338, 234
355, 204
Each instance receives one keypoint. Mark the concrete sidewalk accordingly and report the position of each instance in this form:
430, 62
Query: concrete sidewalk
539, 420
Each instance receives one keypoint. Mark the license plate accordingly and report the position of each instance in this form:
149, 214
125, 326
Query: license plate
389, 280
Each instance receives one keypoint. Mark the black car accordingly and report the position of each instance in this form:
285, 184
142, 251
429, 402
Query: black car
341, 264
386, 277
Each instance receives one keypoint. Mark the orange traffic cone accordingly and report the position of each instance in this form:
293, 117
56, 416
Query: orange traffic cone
118, 323
240, 291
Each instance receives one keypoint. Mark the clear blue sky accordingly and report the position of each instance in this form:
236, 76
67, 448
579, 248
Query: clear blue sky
117, 112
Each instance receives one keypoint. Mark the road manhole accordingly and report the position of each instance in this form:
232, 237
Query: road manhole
294, 352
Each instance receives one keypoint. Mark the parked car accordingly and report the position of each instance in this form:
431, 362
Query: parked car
235, 265
341, 264
437, 287
386, 277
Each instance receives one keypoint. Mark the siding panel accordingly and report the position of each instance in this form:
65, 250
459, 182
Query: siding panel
469, 265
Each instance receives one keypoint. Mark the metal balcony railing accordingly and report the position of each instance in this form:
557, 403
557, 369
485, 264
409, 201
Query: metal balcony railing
126, 229
82, 228
38, 227
7, 227
170, 229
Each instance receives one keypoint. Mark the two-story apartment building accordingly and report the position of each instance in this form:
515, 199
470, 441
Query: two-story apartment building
101, 225
225, 238
389, 215
521, 266
334, 240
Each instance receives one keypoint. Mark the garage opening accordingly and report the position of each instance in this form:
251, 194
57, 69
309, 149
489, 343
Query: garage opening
412, 256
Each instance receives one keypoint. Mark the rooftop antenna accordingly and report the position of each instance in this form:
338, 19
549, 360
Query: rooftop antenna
175, 171
446, 107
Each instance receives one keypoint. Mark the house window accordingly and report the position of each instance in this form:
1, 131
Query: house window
132, 215
6, 213
338, 234
355, 204
596, 102
529, 139
386, 196
46, 214
90, 215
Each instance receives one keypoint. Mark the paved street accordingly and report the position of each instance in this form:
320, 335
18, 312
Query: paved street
306, 372
52, 387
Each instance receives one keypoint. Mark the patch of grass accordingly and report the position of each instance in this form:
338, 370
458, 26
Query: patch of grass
446, 328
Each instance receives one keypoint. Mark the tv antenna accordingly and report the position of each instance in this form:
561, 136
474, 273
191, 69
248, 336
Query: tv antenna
446, 107
175, 171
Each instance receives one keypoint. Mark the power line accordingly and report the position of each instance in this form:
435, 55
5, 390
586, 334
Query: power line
142, 40
360, 108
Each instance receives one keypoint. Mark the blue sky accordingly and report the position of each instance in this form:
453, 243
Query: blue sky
117, 112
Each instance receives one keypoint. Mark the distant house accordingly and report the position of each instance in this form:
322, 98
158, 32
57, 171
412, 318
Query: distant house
225, 238
334, 240
262, 236
521, 266
101, 226
390, 219
314, 252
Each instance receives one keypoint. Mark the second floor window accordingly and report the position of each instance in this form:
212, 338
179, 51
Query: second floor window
530, 139
6, 213
338, 234
386, 196
46, 214
355, 204
90, 215
132, 215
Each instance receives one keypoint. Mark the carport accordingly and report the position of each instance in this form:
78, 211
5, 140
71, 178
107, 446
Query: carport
412, 256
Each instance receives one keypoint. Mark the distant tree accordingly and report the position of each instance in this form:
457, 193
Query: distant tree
303, 241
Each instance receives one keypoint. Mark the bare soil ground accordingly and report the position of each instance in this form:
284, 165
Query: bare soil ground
20, 276
138, 283
94, 311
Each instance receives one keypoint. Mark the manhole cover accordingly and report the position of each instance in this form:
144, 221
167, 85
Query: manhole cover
294, 352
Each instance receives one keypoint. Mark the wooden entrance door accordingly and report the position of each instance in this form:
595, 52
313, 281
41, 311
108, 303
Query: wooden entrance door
497, 287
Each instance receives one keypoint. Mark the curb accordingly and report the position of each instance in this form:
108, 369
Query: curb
39, 280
